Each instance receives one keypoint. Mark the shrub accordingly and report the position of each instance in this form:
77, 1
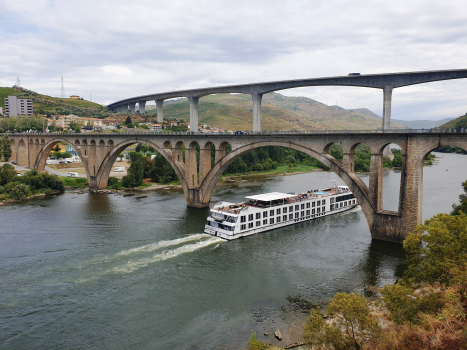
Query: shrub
255, 344
18, 191
405, 308
352, 325
112, 181
7, 174
436, 247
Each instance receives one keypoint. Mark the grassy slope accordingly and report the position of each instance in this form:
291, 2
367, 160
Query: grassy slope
50, 104
234, 112
462, 120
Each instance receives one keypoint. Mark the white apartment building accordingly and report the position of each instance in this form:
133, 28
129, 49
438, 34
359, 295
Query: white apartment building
17, 106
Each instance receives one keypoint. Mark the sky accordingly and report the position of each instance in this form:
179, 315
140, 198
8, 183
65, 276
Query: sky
112, 49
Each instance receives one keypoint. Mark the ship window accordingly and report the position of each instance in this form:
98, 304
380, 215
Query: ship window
250, 217
278, 212
291, 208
213, 224
290, 216
319, 203
265, 221
332, 206
354, 201
308, 205
302, 214
314, 204
250, 225
302, 206
243, 218
323, 201
284, 210
318, 210
258, 223
284, 217
297, 207
258, 216
243, 227
323, 209
265, 214
312, 211
307, 212
296, 215
278, 219
271, 212
332, 200
271, 221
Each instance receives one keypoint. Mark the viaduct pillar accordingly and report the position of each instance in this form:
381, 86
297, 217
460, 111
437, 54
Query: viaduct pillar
193, 113
257, 111
142, 107
132, 107
387, 101
159, 105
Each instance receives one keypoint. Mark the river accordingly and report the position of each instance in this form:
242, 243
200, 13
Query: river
98, 271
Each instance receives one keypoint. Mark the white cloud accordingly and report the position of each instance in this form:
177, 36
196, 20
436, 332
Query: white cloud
117, 49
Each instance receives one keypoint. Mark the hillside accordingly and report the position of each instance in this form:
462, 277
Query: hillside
414, 124
234, 112
458, 123
44, 104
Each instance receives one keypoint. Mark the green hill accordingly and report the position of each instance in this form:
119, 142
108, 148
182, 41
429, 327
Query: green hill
457, 123
43, 104
234, 112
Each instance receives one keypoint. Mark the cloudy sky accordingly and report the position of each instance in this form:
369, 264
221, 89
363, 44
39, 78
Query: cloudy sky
113, 49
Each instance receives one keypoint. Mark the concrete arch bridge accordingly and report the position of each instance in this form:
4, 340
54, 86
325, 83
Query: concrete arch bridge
98, 153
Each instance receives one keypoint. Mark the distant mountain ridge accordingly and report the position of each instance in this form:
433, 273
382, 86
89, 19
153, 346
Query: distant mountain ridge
414, 124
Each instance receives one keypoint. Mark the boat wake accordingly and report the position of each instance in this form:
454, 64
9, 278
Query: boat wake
130, 260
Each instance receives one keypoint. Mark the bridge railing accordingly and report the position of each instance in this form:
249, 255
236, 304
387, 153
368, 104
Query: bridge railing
247, 133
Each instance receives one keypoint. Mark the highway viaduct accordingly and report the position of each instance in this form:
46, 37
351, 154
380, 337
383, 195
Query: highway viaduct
98, 153
386, 82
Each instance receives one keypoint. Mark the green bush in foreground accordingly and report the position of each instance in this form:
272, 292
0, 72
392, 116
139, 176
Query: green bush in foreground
435, 248
351, 328
255, 344
18, 191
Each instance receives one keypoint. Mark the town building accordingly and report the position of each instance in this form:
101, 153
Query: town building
17, 106
1, 110
155, 127
74, 97
64, 121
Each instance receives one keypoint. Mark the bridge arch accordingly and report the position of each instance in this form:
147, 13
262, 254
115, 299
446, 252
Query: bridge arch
46, 148
209, 183
104, 170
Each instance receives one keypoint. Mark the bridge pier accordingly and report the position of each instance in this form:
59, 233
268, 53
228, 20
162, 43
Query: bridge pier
375, 188
132, 107
257, 111
159, 106
193, 113
387, 102
142, 107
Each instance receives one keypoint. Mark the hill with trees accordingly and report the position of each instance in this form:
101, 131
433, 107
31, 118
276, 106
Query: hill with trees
47, 105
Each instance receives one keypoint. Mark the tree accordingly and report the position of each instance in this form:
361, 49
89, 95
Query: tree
66, 155
436, 248
7, 174
134, 178
75, 126
352, 325
162, 171
6, 148
128, 120
462, 206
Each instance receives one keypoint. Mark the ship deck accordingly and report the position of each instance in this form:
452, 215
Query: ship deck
300, 197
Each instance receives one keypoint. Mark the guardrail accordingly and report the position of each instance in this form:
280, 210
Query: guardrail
248, 133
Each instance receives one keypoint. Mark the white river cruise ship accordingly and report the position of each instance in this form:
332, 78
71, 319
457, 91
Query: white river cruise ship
269, 211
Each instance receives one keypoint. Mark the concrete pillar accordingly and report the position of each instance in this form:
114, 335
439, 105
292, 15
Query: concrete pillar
204, 163
193, 113
132, 106
159, 105
191, 168
142, 107
177, 154
119, 109
375, 188
257, 111
387, 99
348, 162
